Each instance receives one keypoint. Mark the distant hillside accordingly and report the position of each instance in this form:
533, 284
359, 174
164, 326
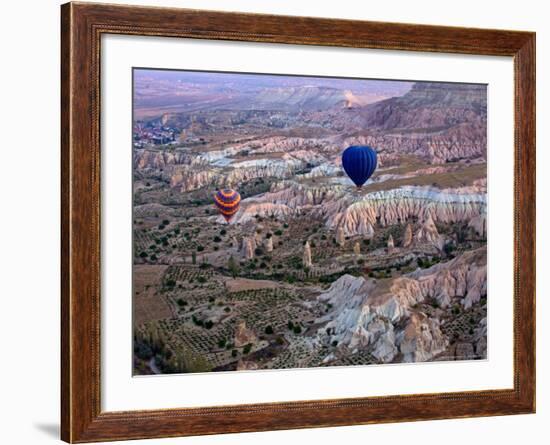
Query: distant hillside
428, 106
307, 97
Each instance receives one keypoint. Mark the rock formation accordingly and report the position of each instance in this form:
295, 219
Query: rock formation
268, 244
249, 210
428, 234
398, 206
383, 319
244, 335
390, 243
357, 248
481, 338
464, 277
407, 236
421, 339
340, 237
479, 224
307, 255
248, 247
246, 365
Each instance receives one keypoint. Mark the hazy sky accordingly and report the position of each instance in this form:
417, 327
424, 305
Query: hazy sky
252, 82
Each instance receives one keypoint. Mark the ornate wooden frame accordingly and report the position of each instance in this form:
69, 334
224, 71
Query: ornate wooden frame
81, 28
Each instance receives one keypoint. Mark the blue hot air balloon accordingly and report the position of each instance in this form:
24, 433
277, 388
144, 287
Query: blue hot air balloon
359, 162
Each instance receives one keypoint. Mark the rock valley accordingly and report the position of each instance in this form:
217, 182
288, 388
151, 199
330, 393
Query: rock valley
311, 271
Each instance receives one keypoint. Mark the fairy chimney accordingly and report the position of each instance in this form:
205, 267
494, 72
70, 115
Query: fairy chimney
268, 244
307, 255
407, 236
390, 243
249, 245
340, 238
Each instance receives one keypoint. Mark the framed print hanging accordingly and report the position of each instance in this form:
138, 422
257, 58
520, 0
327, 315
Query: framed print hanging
276, 222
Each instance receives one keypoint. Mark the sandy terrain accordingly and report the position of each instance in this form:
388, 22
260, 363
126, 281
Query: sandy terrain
148, 305
242, 284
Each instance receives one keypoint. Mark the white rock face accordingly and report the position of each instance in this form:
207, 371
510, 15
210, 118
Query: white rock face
379, 316
421, 339
296, 195
464, 276
400, 205
353, 322
383, 336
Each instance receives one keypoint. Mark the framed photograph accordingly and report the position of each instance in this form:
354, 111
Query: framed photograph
275, 222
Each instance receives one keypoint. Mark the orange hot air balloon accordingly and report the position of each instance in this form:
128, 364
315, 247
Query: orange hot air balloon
227, 201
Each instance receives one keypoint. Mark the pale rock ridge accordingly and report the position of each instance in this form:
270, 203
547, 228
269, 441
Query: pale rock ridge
399, 205
466, 141
157, 159
464, 276
251, 208
297, 195
186, 178
367, 315
193, 177
323, 170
